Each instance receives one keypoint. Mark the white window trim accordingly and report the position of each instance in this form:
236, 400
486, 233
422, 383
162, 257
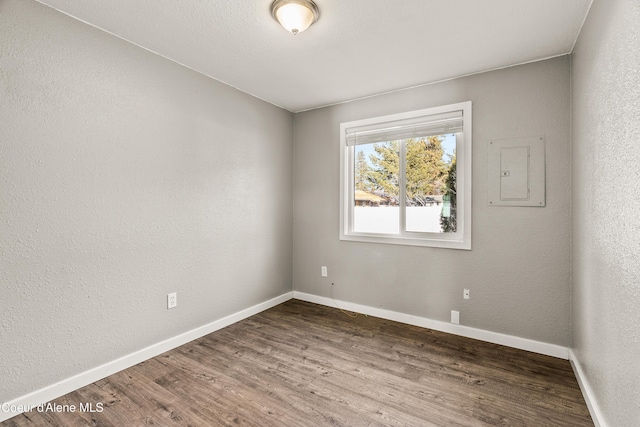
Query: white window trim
461, 239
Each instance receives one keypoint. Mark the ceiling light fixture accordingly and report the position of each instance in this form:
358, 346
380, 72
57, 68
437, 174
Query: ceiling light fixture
295, 15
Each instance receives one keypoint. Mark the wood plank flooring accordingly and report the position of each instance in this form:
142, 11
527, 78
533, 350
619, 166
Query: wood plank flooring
301, 364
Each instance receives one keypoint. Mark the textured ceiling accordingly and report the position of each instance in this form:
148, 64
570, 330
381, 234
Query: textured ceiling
356, 49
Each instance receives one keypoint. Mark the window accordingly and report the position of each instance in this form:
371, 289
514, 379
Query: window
406, 178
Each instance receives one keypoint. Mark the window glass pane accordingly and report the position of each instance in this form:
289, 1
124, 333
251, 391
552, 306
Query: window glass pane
430, 184
376, 169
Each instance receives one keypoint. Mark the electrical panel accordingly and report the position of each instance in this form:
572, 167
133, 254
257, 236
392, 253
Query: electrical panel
517, 172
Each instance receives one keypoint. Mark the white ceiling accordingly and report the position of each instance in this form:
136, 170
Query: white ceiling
356, 49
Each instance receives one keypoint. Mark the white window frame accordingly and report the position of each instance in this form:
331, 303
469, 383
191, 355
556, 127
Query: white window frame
461, 239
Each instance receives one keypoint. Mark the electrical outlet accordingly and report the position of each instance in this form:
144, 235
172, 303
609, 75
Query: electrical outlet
172, 300
465, 294
323, 271
455, 317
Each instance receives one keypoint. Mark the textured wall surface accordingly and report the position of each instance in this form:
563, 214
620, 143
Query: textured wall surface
518, 270
606, 207
123, 177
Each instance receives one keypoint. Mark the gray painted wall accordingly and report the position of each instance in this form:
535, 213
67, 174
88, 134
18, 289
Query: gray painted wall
518, 270
124, 176
606, 207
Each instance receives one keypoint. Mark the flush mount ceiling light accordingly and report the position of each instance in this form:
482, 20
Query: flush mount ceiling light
295, 15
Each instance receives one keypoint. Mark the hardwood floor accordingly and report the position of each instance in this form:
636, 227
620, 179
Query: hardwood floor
301, 364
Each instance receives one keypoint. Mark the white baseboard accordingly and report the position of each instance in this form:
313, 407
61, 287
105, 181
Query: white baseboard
33, 399
465, 331
587, 392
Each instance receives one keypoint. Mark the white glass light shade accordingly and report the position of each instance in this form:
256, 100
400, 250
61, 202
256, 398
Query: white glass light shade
295, 15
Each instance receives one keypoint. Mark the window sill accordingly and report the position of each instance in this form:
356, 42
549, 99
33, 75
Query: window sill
446, 243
